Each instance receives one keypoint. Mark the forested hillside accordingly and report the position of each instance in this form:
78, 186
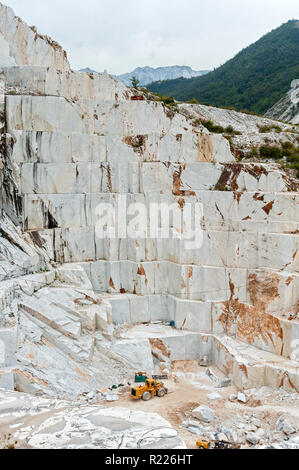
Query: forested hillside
254, 79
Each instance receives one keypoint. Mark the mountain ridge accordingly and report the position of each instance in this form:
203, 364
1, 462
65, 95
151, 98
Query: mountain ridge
147, 75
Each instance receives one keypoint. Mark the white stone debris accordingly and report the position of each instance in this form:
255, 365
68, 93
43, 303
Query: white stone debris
213, 397
220, 436
242, 397
203, 413
252, 438
284, 425
249, 131
109, 397
233, 397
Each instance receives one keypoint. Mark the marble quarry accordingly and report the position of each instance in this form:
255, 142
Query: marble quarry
71, 142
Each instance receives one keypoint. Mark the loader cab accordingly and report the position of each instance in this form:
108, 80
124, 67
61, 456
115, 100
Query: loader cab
150, 383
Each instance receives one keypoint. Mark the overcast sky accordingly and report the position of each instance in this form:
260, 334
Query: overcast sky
119, 35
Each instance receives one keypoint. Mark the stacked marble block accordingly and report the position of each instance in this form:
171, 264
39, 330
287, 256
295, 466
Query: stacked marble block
76, 140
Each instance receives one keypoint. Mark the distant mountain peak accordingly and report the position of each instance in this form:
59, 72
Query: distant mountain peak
147, 75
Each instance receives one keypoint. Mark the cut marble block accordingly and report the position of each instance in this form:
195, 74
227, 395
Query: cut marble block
242, 215
250, 367
54, 316
57, 147
40, 80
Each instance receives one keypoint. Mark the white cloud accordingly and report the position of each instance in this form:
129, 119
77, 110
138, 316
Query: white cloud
120, 35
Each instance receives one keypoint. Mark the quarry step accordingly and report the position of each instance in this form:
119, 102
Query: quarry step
52, 80
251, 367
81, 349
56, 317
247, 366
244, 210
90, 309
219, 311
198, 280
250, 354
162, 179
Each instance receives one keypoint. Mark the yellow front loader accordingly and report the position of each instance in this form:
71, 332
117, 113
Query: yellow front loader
150, 389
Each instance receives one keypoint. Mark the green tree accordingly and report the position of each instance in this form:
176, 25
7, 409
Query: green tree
135, 82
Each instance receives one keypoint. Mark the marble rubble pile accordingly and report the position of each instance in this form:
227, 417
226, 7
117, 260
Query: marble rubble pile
71, 141
268, 420
249, 131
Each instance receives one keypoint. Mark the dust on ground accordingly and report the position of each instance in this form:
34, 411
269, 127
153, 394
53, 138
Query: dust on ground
189, 387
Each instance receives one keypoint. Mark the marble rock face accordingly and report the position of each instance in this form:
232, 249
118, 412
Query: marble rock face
286, 109
23, 45
71, 142
54, 424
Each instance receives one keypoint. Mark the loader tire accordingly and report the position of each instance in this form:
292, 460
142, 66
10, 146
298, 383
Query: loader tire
161, 392
146, 396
